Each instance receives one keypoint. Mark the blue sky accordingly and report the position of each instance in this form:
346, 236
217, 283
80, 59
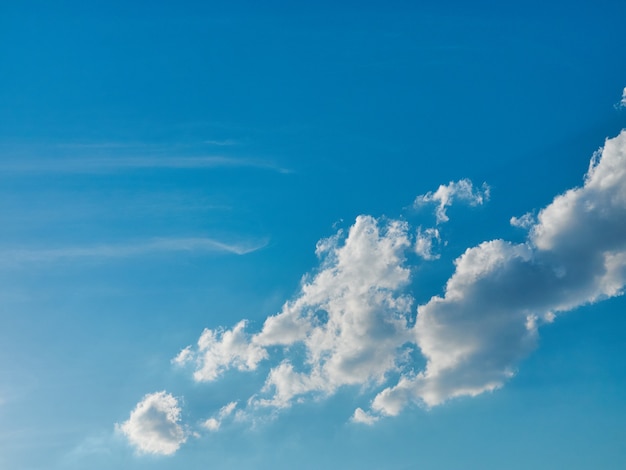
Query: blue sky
355, 235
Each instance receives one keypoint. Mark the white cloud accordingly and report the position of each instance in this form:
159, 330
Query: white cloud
213, 424
219, 350
221, 143
116, 163
153, 426
158, 245
475, 335
227, 409
525, 221
88, 448
424, 241
352, 318
622, 102
462, 190
183, 357
362, 417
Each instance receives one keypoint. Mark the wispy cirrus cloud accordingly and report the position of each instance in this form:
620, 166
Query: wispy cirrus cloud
122, 163
222, 143
147, 247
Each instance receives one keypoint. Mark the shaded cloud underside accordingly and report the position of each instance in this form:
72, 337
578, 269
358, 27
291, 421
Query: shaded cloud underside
354, 317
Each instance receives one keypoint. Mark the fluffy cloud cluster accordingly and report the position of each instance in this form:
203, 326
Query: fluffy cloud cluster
154, 425
353, 322
500, 293
351, 318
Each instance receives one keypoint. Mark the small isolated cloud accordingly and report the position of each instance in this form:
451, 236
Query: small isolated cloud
213, 424
526, 221
462, 191
622, 103
425, 241
154, 425
362, 417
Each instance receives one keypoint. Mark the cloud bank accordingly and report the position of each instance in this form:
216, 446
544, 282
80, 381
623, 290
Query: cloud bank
354, 322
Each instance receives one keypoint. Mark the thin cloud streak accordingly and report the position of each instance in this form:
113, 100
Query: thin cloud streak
129, 250
112, 164
222, 143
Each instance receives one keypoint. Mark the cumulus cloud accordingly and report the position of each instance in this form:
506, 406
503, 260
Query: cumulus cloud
425, 242
462, 190
474, 336
154, 425
351, 318
219, 350
622, 103
352, 322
